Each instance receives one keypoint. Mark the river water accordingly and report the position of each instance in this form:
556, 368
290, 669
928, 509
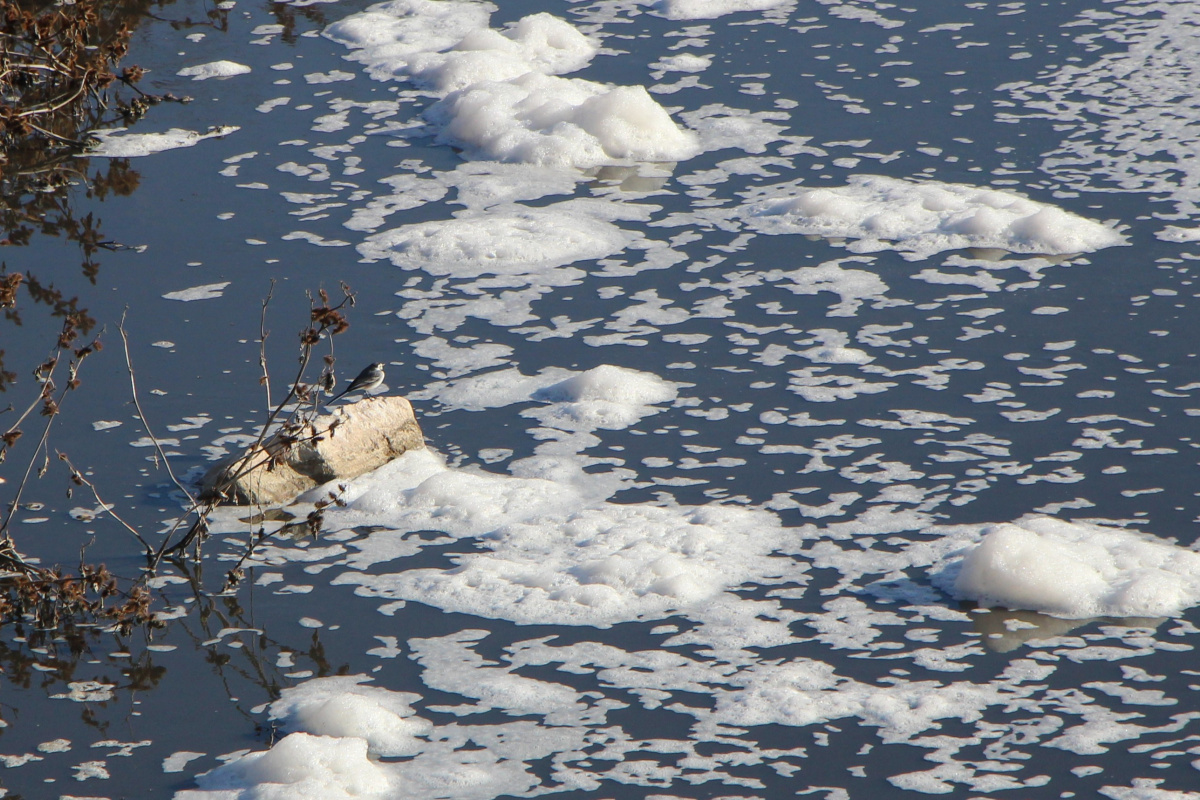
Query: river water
811, 416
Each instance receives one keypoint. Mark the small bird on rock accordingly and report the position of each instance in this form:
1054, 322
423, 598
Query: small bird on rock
367, 380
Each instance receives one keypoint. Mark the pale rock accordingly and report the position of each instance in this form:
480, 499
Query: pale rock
354, 439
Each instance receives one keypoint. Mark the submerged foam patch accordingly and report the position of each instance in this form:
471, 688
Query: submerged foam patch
518, 242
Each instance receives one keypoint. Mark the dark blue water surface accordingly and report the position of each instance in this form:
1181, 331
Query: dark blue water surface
1005, 385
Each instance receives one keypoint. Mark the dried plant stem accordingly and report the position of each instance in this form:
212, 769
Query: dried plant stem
78, 477
247, 465
324, 318
46, 108
55, 136
306, 348
16, 501
47, 376
262, 343
142, 415
51, 408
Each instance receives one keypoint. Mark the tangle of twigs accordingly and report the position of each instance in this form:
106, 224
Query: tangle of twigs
49, 597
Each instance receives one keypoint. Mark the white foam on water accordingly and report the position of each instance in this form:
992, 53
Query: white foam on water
1172, 233
213, 69
347, 707
115, 144
545, 119
465, 762
861, 11
683, 62
178, 761
833, 350
501, 93
854, 287
209, 291
453, 361
606, 397
919, 219
480, 185
711, 9
1074, 570
491, 390
555, 556
742, 689
554, 543
477, 185
299, 766
333, 76
521, 241
556, 548
1118, 111
724, 127
1144, 789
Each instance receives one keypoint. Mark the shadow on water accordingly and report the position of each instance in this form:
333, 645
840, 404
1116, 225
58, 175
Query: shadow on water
1005, 630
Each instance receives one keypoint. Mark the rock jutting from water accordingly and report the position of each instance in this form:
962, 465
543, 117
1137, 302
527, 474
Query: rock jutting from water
348, 442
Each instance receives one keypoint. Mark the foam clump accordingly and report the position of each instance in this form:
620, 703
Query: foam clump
605, 397
922, 218
344, 707
539, 43
466, 762
1076, 570
611, 384
214, 69
501, 93
388, 37
299, 767
337, 727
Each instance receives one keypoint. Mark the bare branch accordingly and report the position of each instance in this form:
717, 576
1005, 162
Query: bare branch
262, 343
79, 478
51, 407
324, 319
142, 416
